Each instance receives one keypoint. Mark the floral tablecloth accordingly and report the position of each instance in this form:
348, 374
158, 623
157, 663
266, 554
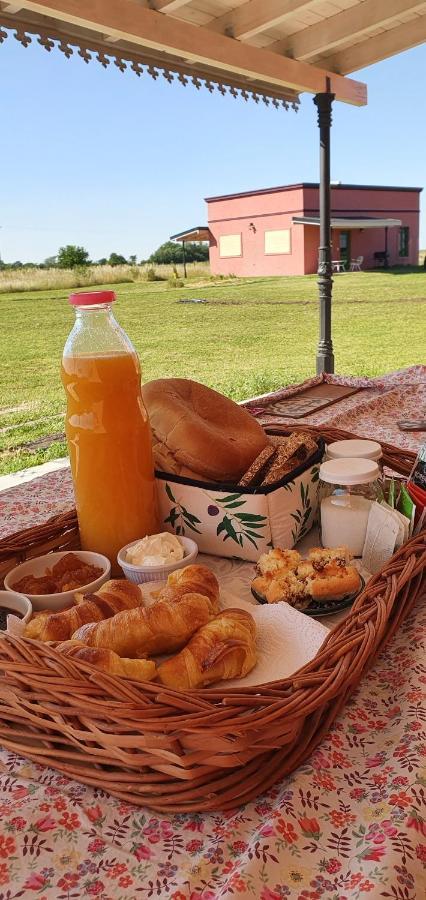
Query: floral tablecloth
349, 824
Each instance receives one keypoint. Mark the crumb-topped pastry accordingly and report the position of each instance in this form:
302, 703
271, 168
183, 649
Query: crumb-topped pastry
324, 556
287, 587
333, 586
326, 575
332, 576
278, 560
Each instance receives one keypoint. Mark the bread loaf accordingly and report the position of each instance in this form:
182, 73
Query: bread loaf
200, 433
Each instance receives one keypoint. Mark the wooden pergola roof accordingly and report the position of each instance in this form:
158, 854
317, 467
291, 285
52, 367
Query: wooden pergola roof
272, 49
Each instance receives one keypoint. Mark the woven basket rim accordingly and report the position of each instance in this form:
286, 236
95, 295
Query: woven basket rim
64, 518
192, 751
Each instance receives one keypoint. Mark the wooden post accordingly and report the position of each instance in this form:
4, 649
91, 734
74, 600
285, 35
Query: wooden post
325, 357
184, 259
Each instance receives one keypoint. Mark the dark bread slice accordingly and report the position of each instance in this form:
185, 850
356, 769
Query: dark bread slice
259, 466
288, 456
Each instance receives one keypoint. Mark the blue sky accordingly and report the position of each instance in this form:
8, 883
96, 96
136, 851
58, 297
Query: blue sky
114, 162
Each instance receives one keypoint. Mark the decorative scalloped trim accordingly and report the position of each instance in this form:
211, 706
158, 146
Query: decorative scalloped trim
92, 51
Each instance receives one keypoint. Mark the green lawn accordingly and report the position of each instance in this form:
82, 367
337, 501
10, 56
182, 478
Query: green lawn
252, 335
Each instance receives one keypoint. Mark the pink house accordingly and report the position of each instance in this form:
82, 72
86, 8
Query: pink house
275, 231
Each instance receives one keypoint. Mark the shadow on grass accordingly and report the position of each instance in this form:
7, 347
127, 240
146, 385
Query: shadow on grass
399, 270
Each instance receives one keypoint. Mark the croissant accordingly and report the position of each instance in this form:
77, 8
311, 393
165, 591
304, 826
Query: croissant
113, 597
161, 628
192, 580
108, 661
224, 648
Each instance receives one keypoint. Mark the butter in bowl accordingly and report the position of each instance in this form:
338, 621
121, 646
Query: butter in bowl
155, 556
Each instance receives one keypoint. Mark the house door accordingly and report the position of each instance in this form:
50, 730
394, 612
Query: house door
345, 248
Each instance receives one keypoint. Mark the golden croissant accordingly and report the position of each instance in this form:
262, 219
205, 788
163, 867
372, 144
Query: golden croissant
223, 648
113, 597
108, 661
161, 628
192, 580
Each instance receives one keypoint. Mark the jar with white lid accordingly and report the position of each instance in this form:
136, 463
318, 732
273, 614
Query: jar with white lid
347, 489
357, 448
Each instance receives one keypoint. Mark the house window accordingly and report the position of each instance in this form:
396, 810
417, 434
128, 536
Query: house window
277, 241
404, 238
230, 245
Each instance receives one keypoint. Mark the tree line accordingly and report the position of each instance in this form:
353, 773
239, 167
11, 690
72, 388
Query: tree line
73, 257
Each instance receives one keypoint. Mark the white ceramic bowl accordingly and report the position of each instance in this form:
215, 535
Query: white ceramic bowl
38, 566
17, 604
142, 574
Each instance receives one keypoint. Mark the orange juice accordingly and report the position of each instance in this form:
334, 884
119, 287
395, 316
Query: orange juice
109, 441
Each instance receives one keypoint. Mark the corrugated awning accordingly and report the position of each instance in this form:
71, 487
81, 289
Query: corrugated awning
347, 224
199, 233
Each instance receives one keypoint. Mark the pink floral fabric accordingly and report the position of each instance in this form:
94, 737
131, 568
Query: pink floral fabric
347, 825
34, 502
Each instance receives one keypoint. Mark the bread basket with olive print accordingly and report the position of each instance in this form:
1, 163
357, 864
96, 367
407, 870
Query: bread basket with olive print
227, 520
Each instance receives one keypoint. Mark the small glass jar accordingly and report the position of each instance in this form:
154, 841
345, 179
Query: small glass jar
355, 449
347, 489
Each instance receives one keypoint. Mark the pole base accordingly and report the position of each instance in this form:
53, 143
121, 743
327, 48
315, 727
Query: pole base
325, 361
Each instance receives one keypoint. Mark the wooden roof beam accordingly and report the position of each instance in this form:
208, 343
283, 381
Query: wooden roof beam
256, 16
169, 6
383, 45
131, 22
348, 24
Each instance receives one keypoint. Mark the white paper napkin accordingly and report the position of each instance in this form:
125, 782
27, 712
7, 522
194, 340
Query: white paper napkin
15, 626
286, 639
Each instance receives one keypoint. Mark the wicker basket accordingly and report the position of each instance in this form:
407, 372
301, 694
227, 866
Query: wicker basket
202, 750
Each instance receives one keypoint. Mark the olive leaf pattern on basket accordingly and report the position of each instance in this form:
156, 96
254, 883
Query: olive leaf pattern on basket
179, 517
239, 526
303, 515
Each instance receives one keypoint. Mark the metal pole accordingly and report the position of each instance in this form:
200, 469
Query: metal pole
184, 259
386, 262
325, 357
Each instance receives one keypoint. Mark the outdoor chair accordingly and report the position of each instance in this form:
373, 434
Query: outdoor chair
356, 264
381, 258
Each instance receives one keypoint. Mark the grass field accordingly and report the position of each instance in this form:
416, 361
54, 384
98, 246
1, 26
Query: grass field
252, 335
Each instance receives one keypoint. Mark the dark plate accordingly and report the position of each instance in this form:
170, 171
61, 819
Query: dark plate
322, 609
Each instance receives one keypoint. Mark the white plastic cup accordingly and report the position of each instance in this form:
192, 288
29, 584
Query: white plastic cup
142, 574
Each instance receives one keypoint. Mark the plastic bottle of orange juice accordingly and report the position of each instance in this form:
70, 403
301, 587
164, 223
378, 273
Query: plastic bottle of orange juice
107, 429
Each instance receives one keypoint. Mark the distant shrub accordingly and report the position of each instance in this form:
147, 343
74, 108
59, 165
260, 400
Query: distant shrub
116, 259
151, 274
170, 253
72, 257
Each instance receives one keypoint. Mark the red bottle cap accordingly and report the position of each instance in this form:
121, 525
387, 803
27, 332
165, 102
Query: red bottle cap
92, 298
